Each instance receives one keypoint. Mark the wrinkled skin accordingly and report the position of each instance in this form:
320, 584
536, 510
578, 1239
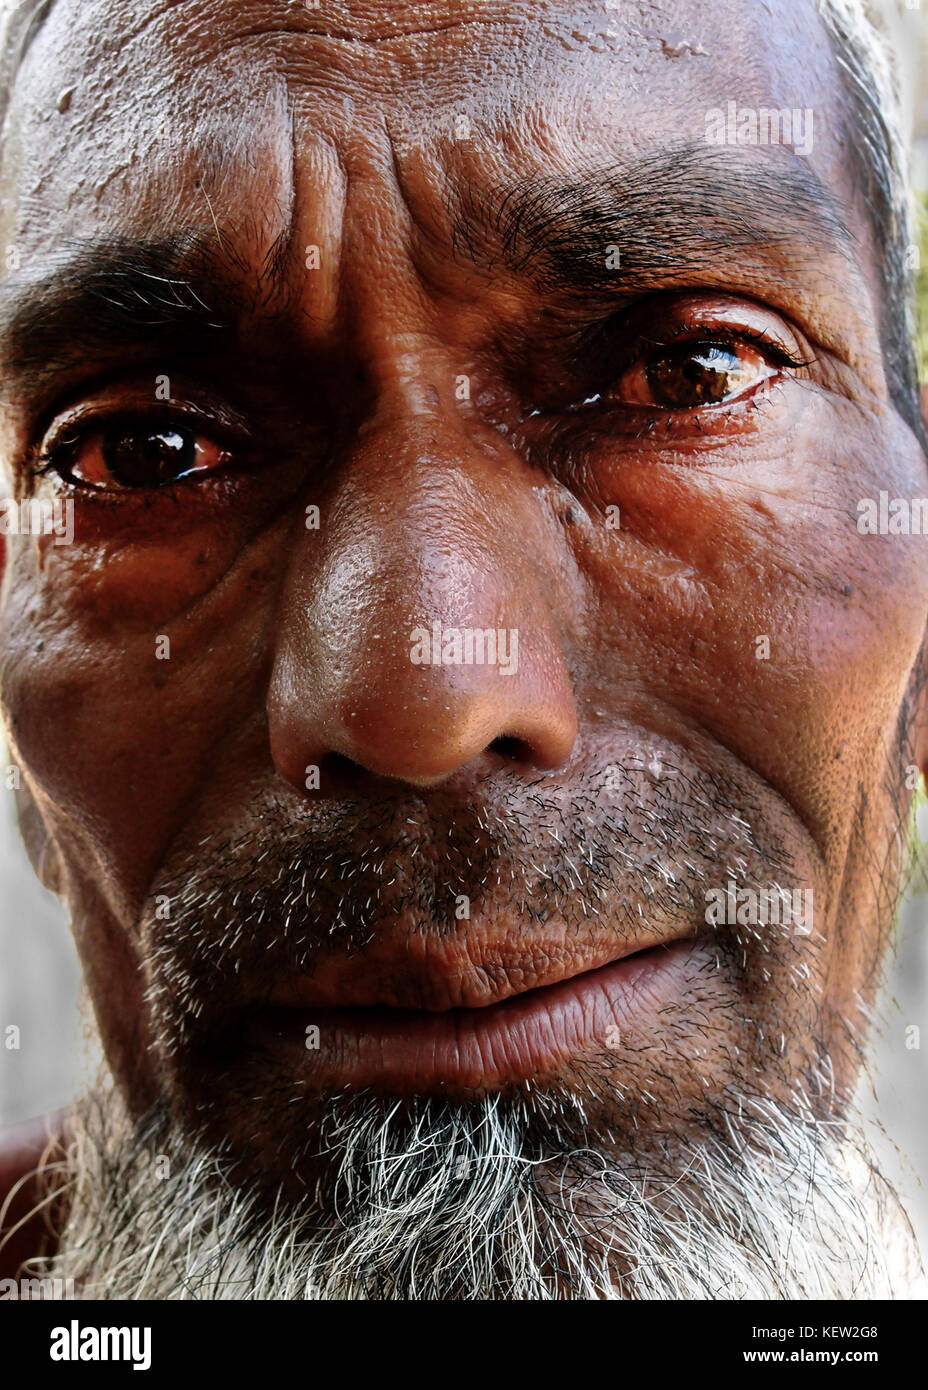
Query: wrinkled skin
283, 128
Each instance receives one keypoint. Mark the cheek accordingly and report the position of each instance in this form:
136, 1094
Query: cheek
118, 711
746, 601
141, 586
135, 564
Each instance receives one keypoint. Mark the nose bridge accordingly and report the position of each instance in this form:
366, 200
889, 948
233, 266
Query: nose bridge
414, 630
435, 527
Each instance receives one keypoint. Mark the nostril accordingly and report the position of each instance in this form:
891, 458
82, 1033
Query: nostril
512, 749
337, 770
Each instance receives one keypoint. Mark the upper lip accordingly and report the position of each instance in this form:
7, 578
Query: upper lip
435, 975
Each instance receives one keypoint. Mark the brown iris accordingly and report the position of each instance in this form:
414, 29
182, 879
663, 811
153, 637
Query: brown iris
147, 456
695, 374
126, 454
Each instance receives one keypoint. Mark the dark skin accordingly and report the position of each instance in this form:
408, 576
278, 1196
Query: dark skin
338, 387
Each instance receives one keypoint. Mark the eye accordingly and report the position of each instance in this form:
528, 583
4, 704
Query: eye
685, 376
131, 454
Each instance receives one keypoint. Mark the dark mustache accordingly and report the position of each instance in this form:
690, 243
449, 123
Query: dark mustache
617, 849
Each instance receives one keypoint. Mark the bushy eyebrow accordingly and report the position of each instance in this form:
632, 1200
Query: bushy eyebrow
109, 295
673, 217
694, 207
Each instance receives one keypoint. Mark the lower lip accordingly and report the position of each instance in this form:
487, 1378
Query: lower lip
521, 1038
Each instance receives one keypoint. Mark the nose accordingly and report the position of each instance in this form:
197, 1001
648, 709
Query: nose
420, 625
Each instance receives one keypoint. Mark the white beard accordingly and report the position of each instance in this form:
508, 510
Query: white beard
444, 1205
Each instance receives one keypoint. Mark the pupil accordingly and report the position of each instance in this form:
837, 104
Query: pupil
700, 374
137, 456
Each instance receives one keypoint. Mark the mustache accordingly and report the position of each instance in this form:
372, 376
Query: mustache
627, 847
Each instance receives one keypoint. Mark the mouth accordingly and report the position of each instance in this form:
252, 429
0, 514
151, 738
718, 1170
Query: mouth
525, 1036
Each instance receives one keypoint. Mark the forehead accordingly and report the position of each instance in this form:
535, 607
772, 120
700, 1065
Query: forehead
124, 116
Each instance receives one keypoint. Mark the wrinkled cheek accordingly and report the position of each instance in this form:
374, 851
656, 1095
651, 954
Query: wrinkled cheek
135, 586
769, 622
67, 740
113, 706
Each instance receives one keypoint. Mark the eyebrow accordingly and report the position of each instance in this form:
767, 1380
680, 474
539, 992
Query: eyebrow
694, 208
108, 296
677, 215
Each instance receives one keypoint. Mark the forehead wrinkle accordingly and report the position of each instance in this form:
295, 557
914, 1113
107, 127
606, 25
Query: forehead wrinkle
152, 17
278, 251
372, 24
280, 245
254, 168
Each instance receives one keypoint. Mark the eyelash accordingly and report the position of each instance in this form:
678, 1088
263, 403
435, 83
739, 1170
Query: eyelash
53, 459
776, 351
726, 336
564, 415
50, 460
44, 463
549, 434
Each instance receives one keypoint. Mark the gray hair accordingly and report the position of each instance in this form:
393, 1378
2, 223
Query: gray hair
874, 127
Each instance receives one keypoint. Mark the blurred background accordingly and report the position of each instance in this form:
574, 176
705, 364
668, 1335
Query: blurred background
51, 1058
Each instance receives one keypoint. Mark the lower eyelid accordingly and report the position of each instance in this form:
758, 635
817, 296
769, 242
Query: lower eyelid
627, 425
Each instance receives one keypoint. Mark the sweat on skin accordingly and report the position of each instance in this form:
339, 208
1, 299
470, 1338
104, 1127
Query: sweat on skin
720, 382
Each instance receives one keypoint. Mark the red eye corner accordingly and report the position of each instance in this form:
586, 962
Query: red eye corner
131, 454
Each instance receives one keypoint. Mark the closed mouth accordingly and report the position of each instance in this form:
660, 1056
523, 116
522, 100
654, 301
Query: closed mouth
503, 1041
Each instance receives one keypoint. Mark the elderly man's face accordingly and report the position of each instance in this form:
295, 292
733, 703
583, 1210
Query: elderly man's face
472, 281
